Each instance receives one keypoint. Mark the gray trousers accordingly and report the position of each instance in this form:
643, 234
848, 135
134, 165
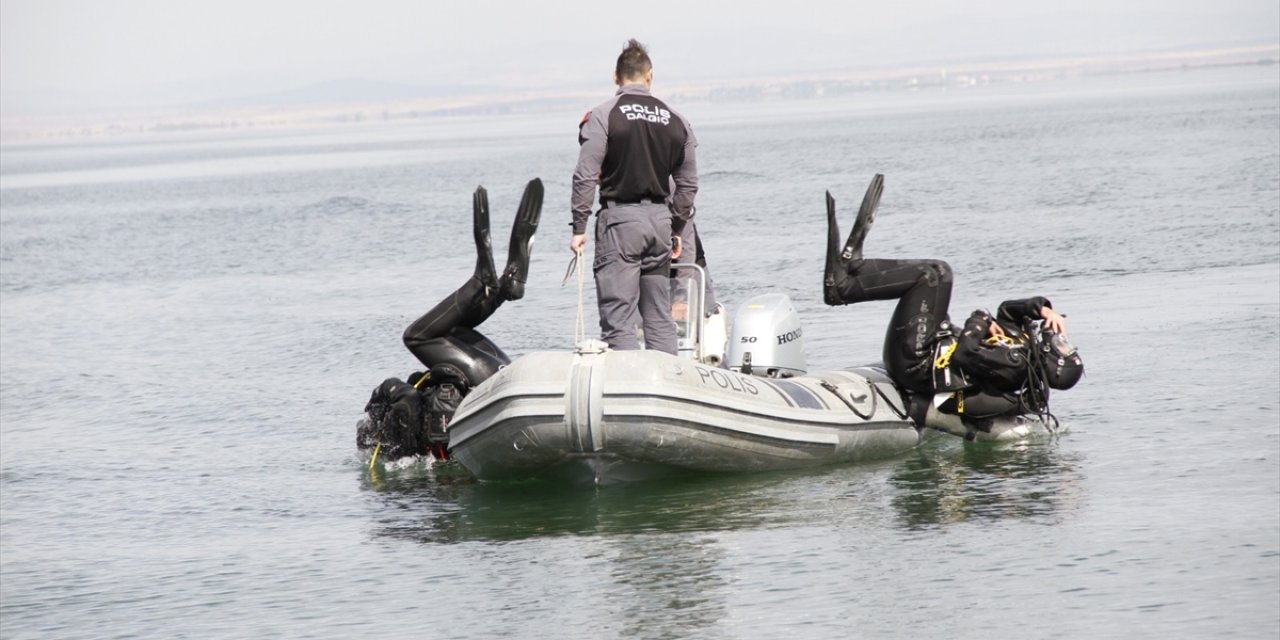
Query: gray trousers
632, 264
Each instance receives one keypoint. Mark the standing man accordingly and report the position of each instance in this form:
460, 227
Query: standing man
634, 147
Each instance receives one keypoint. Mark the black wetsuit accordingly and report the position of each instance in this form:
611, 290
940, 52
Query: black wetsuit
997, 374
923, 291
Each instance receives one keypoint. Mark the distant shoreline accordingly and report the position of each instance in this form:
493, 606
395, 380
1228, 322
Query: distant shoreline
814, 86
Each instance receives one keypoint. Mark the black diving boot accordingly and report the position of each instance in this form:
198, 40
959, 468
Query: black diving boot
521, 245
852, 252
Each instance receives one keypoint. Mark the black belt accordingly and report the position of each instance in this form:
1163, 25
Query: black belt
612, 202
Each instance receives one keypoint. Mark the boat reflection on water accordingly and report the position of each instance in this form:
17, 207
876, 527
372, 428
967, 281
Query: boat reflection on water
644, 570
442, 504
943, 482
644, 549
953, 482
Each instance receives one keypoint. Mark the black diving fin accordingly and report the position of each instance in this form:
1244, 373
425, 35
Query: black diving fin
485, 272
521, 244
834, 274
866, 216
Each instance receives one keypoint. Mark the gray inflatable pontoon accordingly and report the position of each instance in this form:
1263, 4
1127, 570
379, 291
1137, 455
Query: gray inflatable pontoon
601, 415
597, 415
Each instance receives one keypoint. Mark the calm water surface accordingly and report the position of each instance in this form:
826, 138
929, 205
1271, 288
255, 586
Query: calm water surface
190, 326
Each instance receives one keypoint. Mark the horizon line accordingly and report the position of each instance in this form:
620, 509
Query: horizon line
224, 113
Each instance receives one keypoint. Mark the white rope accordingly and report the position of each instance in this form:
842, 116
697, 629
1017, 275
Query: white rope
582, 314
576, 264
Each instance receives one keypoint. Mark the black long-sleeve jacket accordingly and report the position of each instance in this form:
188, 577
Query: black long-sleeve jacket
999, 367
634, 146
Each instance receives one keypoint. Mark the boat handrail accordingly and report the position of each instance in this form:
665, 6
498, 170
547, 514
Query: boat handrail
695, 315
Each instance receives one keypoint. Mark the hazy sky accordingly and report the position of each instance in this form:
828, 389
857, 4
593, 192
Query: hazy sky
117, 52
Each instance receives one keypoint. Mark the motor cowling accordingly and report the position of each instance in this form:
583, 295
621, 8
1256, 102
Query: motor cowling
767, 339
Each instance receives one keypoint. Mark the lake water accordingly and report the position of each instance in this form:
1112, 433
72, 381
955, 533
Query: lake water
191, 324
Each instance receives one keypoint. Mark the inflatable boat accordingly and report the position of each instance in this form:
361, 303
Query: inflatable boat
597, 415
601, 415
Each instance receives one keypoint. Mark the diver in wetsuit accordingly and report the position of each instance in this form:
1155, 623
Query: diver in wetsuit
1006, 365
922, 352
410, 417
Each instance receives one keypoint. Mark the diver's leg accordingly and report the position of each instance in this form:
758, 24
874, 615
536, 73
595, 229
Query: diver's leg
466, 307
908, 343
470, 354
923, 291
469, 305
882, 279
521, 244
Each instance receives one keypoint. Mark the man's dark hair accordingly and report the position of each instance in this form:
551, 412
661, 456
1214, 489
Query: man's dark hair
633, 62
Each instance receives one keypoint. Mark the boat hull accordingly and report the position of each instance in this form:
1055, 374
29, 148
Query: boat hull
604, 415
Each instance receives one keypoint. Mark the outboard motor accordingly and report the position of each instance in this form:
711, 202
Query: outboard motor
766, 340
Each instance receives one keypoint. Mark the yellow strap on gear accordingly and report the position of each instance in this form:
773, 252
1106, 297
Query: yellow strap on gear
960, 401
418, 384
944, 359
1001, 341
374, 457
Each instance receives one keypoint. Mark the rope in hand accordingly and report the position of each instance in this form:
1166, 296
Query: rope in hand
576, 264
